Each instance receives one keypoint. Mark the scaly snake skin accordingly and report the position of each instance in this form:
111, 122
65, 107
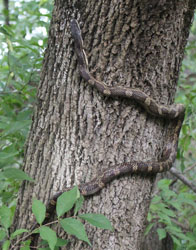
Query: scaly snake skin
175, 112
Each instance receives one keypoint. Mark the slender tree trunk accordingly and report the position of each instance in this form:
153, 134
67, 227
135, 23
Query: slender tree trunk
76, 132
6, 11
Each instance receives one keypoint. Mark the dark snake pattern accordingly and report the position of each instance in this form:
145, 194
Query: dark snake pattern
174, 112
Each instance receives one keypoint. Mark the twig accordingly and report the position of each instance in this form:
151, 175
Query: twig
32, 232
190, 168
183, 179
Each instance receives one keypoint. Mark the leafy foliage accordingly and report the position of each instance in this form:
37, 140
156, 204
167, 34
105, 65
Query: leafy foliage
21, 51
170, 209
72, 225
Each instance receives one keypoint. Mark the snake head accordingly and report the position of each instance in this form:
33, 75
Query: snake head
76, 33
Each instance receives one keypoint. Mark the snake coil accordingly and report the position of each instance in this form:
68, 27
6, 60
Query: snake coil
175, 112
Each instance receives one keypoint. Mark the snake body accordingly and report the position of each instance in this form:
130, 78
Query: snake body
174, 112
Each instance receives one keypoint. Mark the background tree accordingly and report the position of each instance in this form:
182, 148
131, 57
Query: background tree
81, 131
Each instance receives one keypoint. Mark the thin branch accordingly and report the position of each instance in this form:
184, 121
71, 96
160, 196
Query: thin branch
6, 13
32, 232
190, 168
183, 179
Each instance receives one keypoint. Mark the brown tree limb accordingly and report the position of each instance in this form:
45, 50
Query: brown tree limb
183, 179
6, 12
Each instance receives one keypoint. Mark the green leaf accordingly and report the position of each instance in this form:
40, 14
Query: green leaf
2, 177
2, 234
188, 201
156, 199
17, 174
66, 201
192, 221
164, 218
16, 126
164, 184
5, 217
175, 204
49, 235
97, 220
176, 241
26, 243
4, 31
36, 231
174, 229
61, 242
78, 204
5, 156
157, 207
39, 210
18, 232
168, 194
25, 248
75, 227
168, 212
162, 233
43, 243
6, 245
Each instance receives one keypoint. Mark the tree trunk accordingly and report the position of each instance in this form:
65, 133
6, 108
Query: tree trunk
76, 132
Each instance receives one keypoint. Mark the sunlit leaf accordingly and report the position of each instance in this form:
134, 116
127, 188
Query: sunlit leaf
5, 216
39, 210
2, 234
6, 245
162, 233
66, 201
97, 220
16, 174
75, 227
49, 235
18, 232
78, 204
61, 242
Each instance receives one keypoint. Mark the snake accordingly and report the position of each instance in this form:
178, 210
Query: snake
174, 112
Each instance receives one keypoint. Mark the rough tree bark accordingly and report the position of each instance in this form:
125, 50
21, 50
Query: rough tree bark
76, 132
